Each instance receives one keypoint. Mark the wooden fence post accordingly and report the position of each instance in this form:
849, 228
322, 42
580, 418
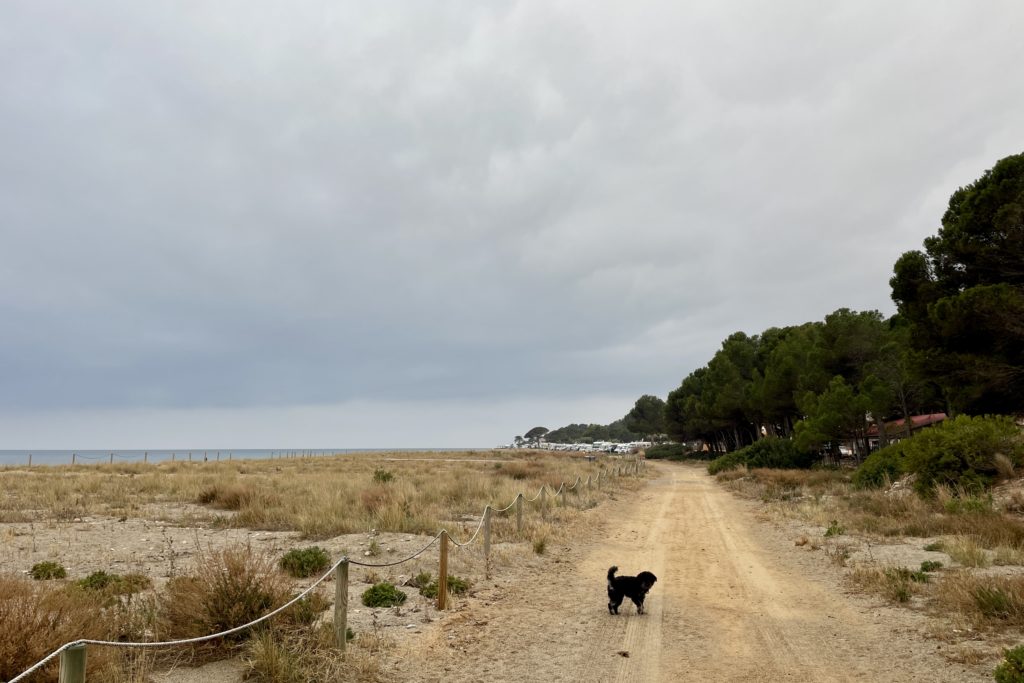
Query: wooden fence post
30, 460
74, 456
111, 458
145, 457
544, 502
519, 514
72, 665
487, 541
442, 574
341, 604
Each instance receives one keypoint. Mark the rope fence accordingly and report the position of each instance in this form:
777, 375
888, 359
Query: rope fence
73, 654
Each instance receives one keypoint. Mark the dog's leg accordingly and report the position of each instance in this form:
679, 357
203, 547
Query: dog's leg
614, 600
639, 602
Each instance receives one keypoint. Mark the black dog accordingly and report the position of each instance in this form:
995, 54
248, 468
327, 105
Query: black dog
633, 587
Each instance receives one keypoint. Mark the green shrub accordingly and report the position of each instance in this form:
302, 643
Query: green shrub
962, 452
383, 594
303, 562
930, 566
771, 453
936, 547
44, 571
835, 529
98, 581
1011, 669
729, 461
382, 476
115, 584
456, 586
880, 467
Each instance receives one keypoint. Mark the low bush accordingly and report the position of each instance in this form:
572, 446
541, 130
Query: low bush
930, 565
45, 571
115, 584
879, 468
961, 452
456, 586
383, 594
98, 581
382, 476
769, 453
303, 562
37, 618
726, 462
227, 588
1011, 669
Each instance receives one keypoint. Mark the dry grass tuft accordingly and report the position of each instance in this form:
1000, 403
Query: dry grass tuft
301, 656
1005, 555
966, 551
733, 474
1004, 465
895, 584
36, 618
984, 601
228, 588
964, 654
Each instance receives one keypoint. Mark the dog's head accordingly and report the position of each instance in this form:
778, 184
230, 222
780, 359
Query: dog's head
646, 580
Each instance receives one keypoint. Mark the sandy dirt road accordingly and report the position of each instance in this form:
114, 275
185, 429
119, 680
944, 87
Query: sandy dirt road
732, 603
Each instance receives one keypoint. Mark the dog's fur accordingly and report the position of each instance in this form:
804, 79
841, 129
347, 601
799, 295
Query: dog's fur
633, 587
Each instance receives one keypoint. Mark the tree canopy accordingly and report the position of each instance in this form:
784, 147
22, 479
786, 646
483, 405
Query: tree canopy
963, 296
647, 416
535, 433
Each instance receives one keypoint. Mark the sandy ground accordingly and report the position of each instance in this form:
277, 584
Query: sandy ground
735, 600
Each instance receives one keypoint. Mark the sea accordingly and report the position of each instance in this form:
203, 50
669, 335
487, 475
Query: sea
93, 457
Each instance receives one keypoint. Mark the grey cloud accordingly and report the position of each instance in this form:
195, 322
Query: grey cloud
247, 204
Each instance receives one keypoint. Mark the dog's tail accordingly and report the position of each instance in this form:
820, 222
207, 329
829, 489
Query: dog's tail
611, 573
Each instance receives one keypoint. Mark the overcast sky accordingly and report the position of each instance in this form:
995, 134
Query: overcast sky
376, 224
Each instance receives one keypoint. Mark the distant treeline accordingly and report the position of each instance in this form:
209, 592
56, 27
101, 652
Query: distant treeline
955, 345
